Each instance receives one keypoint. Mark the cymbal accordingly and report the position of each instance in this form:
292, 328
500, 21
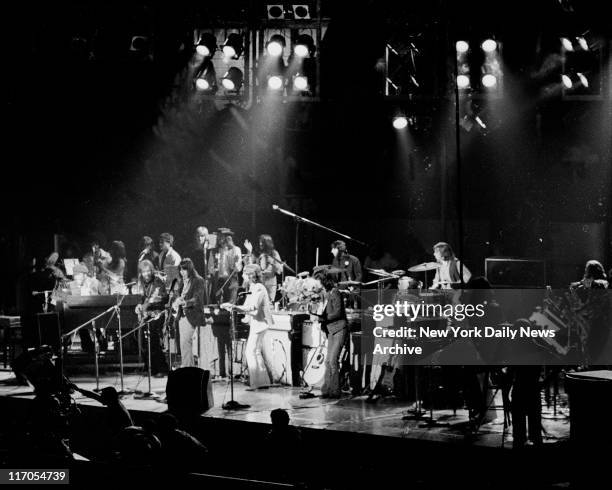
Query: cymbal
424, 267
379, 272
328, 268
398, 272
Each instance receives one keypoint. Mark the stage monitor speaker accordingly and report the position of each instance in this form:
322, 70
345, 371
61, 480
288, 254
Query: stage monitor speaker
505, 272
189, 390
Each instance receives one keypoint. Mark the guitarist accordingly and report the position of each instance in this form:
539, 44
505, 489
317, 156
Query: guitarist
190, 305
153, 299
335, 326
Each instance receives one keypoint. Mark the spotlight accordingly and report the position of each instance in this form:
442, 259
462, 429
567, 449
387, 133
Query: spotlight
232, 80
276, 45
301, 11
583, 80
232, 48
275, 11
139, 43
567, 81
567, 44
400, 122
582, 42
489, 81
462, 47
463, 81
489, 45
207, 45
300, 83
304, 46
202, 84
275, 82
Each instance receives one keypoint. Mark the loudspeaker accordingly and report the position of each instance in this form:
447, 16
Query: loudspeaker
189, 391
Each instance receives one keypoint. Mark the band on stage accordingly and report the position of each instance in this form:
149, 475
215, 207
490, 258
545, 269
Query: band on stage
183, 298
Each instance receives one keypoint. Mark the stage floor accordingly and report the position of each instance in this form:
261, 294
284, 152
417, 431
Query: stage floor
350, 414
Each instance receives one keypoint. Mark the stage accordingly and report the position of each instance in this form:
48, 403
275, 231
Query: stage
349, 414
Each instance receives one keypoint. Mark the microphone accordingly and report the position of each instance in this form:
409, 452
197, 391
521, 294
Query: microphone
131, 283
284, 211
36, 293
244, 293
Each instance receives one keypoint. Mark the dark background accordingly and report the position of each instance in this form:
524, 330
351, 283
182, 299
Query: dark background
97, 142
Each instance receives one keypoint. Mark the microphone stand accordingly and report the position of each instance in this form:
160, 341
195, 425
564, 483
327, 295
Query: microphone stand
300, 219
147, 323
117, 307
233, 404
96, 344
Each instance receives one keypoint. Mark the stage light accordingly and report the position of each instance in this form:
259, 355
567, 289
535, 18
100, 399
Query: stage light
301, 11
275, 82
462, 47
276, 45
139, 43
232, 80
480, 123
300, 83
567, 81
489, 81
202, 84
232, 48
207, 45
489, 45
463, 81
304, 46
582, 42
583, 80
400, 122
567, 44
275, 11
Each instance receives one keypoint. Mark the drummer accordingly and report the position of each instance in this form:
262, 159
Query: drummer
448, 275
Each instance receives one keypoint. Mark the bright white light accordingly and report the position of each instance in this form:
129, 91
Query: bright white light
275, 82
489, 45
202, 84
567, 81
301, 50
228, 84
489, 80
480, 123
567, 44
400, 122
202, 50
462, 47
583, 43
583, 80
275, 48
463, 81
300, 83
229, 51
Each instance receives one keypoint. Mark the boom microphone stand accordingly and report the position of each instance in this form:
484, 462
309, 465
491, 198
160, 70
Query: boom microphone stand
300, 219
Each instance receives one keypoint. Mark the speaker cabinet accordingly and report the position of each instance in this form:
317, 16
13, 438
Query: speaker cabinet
189, 390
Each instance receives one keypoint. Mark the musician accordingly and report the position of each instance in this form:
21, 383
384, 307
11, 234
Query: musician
147, 250
594, 277
115, 269
224, 266
168, 256
258, 308
101, 256
190, 303
343, 260
82, 284
335, 326
153, 299
449, 272
268, 260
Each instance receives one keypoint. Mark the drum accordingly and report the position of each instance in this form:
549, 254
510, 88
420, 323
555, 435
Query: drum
312, 335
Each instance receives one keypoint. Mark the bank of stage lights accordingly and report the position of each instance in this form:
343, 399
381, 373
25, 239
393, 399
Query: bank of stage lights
303, 48
232, 48
490, 67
